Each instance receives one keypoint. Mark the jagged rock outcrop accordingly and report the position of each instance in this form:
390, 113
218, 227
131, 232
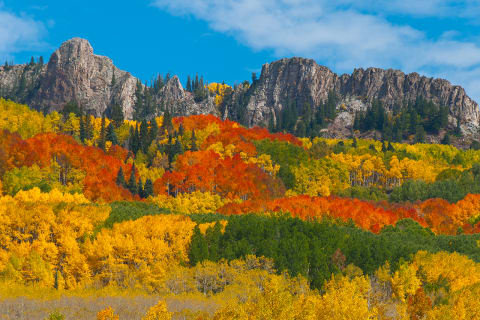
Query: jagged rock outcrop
300, 81
74, 72
181, 102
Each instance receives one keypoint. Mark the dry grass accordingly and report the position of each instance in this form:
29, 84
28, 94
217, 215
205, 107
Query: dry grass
86, 308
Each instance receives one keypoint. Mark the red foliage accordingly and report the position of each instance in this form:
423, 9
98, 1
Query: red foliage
101, 169
230, 177
364, 214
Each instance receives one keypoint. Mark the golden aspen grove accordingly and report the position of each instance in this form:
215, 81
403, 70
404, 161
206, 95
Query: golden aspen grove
201, 218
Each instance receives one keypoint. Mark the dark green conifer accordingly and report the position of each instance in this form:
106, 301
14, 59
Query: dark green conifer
121, 178
111, 135
132, 182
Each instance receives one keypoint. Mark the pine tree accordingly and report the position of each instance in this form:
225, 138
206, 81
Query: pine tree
114, 81
153, 132
446, 139
132, 182
181, 130
40, 61
103, 133
198, 247
117, 115
140, 188
88, 127
193, 142
121, 178
167, 123
177, 147
111, 135
32, 61
354, 143
143, 135
138, 108
83, 133
196, 83
189, 84
148, 188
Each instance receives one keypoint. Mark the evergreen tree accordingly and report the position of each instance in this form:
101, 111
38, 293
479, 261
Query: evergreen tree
199, 249
40, 61
134, 140
189, 84
121, 178
111, 135
132, 182
83, 133
181, 130
88, 127
354, 143
71, 107
254, 78
458, 129
117, 115
196, 83
419, 134
148, 189
103, 134
114, 81
138, 108
177, 147
384, 147
193, 142
140, 189
446, 139
167, 123
153, 132
144, 136
32, 62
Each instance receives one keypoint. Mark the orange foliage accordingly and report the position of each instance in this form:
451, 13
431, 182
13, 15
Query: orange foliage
230, 177
364, 214
101, 169
231, 131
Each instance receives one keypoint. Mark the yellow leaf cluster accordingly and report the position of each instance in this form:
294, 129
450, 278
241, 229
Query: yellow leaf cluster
187, 203
158, 312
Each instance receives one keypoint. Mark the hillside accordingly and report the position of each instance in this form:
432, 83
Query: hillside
200, 217
289, 86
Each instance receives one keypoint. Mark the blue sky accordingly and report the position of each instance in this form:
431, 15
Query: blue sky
225, 40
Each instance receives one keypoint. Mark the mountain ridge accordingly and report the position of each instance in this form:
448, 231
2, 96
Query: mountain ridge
75, 72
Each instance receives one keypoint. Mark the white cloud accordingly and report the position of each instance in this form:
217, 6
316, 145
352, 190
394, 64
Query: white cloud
346, 34
18, 33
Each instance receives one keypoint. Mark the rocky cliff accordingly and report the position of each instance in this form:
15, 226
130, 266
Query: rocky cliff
304, 81
74, 72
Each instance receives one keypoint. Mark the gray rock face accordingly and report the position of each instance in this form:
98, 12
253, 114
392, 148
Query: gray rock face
182, 102
304, 81
74, 72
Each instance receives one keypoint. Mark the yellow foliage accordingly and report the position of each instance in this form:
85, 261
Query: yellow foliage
458, 270
141, 251
187, 203
20, 118
158, 312
219, 90
405, 281
40, 233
